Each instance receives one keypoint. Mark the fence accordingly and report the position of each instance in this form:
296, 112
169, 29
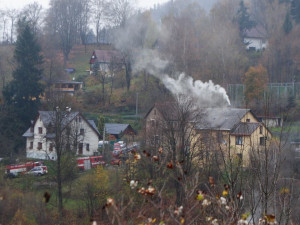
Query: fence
278, 91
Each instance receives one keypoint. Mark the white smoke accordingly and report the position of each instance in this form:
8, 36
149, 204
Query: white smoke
205, 94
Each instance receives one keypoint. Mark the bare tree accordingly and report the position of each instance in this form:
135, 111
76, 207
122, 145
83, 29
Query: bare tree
98, 12
33, 13
67, 18
12, 14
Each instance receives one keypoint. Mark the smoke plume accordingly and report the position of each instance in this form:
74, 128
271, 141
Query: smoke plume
205, 94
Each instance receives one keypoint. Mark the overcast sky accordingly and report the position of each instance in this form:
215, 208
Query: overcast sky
18, 4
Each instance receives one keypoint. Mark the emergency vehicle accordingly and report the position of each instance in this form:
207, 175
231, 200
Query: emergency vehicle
24, 167
86, 163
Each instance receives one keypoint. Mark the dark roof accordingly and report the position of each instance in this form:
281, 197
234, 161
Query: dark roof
221, 118
28, 133
92, 123
115, 128
256, 32
245, 128
106, 56
49, 116
66, 82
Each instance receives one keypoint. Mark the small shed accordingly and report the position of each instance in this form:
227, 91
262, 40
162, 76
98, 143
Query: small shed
118, 130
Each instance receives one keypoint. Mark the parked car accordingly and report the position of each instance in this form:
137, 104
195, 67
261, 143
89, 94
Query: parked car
10, 175
37, 171
116, 153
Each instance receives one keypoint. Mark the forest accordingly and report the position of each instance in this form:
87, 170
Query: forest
180, 58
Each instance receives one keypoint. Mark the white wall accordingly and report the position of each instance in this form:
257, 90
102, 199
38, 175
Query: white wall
257, 43
89, 137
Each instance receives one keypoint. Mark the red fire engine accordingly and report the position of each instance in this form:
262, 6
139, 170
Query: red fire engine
86, 163
24, 167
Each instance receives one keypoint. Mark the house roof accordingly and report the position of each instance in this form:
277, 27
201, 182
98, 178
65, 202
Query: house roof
92, 123
221, 118
66, 82
48, 117
106, 56
256, 32
245, 128
28, 133
115, 128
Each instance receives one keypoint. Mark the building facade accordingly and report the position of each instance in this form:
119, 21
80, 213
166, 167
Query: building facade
76, 134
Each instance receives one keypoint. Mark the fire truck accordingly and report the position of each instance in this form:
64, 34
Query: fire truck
23, 168
86, 163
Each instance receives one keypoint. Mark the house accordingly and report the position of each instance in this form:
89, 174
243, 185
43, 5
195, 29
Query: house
102, 59
67, 87
117, 131
256, 38
233, 129
78, 133
271, 121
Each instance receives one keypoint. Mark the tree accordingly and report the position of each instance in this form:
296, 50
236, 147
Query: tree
24, 91
12, 14
243, 19
295, 10
256, 81
287, 26
65, 19
33, 13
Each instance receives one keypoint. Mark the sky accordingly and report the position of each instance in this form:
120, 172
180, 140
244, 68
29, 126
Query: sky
19, 4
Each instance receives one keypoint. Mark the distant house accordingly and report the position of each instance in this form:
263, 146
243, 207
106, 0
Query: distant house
101, 60
271, 121
234, 129
67, 87
80, 134
256, 38
118, 130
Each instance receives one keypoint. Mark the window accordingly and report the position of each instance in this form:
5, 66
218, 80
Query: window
40, 130
80, 147
248, 120
79, 119
261, 129
51, 147
239, 140
40, 145
81, 131
88, 147
154, 111
262, 140
31, 145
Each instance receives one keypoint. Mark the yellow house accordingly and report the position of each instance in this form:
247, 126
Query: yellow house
234, 131
226, 132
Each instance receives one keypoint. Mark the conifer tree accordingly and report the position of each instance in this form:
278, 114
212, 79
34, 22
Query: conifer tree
23, 93
243, 19
295, 10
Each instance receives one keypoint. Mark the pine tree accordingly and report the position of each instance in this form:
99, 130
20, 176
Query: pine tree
295, 10
287, 25
24, 91
243, 19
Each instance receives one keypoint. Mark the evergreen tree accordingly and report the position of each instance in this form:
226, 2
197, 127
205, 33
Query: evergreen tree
23, 93
287, 25
295, 10
243, 19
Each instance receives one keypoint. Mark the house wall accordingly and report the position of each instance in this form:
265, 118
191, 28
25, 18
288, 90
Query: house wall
153, 129
250, 143
257, 43
89, 137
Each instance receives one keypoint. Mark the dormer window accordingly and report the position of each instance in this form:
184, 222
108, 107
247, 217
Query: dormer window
248, 120
40, 130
